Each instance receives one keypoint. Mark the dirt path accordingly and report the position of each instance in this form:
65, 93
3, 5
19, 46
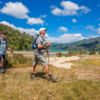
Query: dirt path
63, 62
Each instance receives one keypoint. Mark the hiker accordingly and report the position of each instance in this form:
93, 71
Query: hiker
41, 45
3, 48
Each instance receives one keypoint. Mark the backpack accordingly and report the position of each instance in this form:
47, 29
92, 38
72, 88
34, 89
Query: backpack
34, 45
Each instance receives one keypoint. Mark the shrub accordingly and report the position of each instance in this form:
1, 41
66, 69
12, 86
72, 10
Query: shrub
18, 60
59, 54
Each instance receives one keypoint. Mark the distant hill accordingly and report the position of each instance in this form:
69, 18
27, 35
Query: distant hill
23, 41
16, 39
92, 44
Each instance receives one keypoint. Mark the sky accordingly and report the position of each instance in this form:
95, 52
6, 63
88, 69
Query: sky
66, 20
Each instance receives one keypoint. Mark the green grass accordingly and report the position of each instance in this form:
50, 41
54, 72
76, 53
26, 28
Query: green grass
82, 82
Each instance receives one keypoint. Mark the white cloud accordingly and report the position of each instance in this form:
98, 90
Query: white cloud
57, 11
63, 29
69, 8
31, 31
43, 16
94, 29
74, 20
16, 9
90, 27
19, 10
35, 21
84, 9
98, 30
66, 38
69, 5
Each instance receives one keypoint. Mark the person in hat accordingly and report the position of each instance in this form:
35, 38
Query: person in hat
3, 48
39, 57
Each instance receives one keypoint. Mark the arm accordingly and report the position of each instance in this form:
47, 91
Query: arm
40, 46
42, 43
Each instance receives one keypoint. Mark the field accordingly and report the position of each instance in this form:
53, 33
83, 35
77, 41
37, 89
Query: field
81, 82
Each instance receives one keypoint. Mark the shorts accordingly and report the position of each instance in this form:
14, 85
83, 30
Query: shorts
40, 59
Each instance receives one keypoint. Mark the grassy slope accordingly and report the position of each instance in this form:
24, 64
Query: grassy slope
82, 82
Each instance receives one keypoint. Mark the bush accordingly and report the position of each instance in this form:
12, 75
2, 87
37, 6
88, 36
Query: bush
59, 54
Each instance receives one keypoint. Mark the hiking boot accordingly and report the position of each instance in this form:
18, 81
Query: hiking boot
33, 76
51, 77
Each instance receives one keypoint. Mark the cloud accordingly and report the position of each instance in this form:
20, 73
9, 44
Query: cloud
31, 31
19, 10
84, 9
63, 29
94, 29
98, 30
69, 8
90, 27
69, 5
74, 20
43, 16
66, 38
16, 9
37, 21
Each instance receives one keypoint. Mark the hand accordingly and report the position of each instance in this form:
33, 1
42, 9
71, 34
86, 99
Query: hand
48, 43
40, 46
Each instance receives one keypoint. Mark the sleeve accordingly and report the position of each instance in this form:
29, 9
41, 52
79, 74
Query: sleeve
44, 41
39, 40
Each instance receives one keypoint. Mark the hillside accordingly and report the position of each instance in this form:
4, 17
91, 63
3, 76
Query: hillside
92, 44
16, 39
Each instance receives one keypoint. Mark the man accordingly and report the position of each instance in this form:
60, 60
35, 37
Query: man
3, 48
39, 57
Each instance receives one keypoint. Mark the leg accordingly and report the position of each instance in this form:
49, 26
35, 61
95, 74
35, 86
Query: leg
34, 68
35, 62
47, 75
46, 69
1, 64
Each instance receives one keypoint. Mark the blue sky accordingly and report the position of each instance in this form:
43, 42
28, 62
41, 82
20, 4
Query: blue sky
67, 21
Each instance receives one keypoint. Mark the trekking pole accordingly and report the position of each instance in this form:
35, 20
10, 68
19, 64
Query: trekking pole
47, 57
47, 51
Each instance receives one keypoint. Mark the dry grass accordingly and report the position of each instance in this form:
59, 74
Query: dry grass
82, 82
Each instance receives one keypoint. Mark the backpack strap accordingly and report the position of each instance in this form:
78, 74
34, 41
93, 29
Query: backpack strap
36, 39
